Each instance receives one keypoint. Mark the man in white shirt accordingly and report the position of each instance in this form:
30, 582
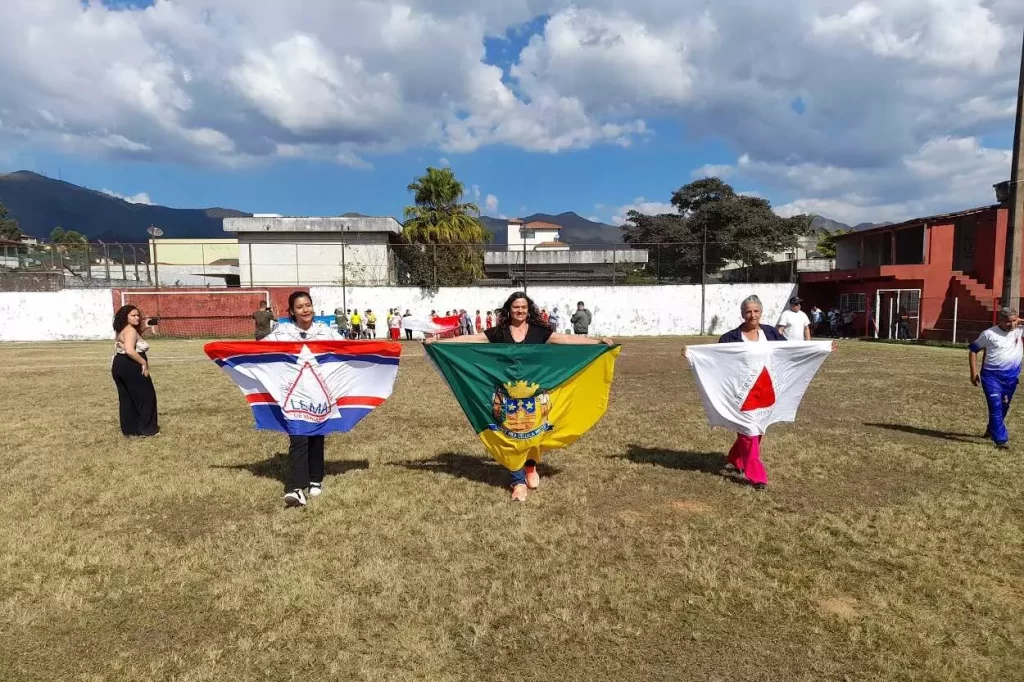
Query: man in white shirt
794, 324
1000, 371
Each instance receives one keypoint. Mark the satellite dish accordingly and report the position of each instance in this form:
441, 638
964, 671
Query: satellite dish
154, 231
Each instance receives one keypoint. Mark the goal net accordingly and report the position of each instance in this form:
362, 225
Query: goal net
202, 314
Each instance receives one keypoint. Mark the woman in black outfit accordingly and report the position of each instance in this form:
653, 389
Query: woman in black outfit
136, 395
519, 321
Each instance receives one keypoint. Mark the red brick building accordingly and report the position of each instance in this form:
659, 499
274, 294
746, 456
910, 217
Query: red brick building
938, 268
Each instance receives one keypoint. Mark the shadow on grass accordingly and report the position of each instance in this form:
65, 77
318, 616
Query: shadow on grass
683, 460
470, 468
931, 433
279, 468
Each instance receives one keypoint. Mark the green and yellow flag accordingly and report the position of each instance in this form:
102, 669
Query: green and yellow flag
525, 400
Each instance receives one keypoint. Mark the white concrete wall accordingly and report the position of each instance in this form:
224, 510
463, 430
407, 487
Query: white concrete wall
618, 311
71, 314
86, 314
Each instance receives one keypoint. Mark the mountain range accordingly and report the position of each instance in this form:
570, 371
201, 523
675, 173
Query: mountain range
40, 204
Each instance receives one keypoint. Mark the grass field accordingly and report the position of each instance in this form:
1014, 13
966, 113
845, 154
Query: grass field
889, 546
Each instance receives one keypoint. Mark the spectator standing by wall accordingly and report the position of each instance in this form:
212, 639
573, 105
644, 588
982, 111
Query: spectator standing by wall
553, 319
341, 320
408, 332
264, 318
581, 320
794, 324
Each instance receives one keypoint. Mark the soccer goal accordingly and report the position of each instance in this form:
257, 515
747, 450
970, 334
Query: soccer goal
199, 314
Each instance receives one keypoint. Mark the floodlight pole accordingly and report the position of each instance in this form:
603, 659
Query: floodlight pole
1015, 224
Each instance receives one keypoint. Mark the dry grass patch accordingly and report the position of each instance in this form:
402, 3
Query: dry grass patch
887, 548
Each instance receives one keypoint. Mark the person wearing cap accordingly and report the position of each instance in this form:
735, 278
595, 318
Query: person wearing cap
1000, 371
794, 323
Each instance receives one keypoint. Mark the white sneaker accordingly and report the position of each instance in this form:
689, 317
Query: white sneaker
315, 489
295, 498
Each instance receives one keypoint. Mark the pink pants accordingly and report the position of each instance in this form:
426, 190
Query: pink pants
745, 455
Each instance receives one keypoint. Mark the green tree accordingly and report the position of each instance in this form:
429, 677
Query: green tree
736, 228
441, 233
9, 228
827, 243
59, 235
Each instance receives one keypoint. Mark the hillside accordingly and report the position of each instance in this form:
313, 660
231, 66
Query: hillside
40, 204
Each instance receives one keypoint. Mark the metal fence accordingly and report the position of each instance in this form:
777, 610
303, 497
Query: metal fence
361, 262
50, 267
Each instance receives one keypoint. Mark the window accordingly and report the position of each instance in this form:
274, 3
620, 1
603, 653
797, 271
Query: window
853, 302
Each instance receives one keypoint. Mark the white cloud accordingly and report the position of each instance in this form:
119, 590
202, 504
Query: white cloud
945, 174
140, 198
491, 203
236, 82
712, 171
643, 206
444, 162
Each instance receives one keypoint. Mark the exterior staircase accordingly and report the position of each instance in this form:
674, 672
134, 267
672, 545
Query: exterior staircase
974, 313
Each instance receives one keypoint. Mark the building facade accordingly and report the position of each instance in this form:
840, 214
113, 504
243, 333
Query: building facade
275, 250
535, 253
941, 270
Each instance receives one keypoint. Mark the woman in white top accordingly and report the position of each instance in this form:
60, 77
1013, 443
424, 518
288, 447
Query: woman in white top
305, 452
136, 395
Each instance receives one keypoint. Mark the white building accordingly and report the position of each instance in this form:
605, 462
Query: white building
278, 251
536, 253
535, 235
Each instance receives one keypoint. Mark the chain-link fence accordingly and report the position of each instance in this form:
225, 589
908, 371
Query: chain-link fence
51, 267
363, 262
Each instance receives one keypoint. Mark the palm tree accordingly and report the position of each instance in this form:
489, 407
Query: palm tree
440, 216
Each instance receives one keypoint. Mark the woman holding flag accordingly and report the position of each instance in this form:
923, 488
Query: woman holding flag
305, 452
519, 322
745, 455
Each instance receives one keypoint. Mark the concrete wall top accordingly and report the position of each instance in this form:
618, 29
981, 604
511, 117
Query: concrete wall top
332, 224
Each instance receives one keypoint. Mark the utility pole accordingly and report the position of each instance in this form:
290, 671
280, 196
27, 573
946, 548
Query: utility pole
1015, 224
703, 277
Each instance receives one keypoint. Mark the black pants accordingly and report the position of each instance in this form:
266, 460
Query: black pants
136, 397
307, 456
408, 335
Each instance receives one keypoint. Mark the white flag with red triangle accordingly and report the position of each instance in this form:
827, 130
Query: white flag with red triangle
746, 387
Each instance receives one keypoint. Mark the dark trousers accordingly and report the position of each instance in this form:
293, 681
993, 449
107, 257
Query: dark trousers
307, 457
136, 398
408, 334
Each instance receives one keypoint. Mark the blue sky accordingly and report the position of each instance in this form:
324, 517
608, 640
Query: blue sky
860, 111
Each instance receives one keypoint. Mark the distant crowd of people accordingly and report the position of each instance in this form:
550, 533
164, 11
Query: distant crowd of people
352, 324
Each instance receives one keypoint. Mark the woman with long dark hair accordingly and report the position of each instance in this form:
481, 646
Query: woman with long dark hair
136, 395
519, 321
305, 452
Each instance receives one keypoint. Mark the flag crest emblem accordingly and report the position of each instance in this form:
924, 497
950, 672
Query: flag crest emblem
520, 410
762, 393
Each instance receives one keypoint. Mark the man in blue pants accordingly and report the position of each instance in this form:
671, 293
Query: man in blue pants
1000, 371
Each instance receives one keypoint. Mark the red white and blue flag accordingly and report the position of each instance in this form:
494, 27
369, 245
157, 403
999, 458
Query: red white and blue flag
309, 388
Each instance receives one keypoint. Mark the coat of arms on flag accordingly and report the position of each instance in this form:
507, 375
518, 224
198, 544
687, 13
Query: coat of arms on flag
311, 388
525, 400
746, 387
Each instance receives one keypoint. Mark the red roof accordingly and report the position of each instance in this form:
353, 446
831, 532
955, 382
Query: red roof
940, 219
540, 225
